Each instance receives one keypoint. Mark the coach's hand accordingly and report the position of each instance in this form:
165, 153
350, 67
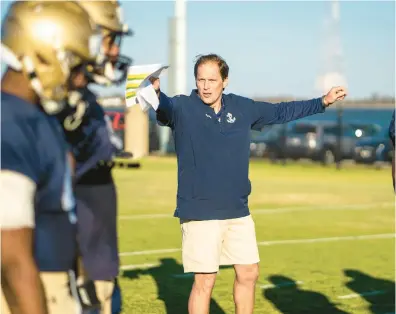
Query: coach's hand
335, 94
155, 81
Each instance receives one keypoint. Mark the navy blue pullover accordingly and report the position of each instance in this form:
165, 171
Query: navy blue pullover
32, 144
91, 142
213, 153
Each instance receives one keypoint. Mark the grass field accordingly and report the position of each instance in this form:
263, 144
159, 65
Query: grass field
326, 240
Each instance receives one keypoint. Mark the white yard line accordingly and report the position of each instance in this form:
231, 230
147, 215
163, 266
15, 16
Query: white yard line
149, 252
358, 295
137, 266
316, 240
148, 216
278, 210
276, 242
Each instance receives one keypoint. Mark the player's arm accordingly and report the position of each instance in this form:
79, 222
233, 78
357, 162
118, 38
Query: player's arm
20, 282
72, 162
19, 176
115, 140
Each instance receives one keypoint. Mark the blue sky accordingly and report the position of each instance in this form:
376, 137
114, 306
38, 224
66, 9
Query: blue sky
272, 47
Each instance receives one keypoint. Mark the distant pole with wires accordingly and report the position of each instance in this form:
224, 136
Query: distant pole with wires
339, 134
180, 51
177, 62
333, 69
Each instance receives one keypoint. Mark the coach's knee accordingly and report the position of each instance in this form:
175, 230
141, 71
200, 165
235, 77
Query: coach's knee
204, 283
247, 274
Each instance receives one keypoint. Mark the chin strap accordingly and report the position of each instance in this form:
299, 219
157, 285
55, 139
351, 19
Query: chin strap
9, 58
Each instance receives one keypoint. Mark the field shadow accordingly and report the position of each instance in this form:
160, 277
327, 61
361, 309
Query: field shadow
379, 293
173, 286
289, 298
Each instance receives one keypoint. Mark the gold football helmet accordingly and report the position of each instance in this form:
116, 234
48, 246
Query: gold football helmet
107, 15
46, 40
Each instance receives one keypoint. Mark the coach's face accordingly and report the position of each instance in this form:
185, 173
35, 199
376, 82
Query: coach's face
209, 83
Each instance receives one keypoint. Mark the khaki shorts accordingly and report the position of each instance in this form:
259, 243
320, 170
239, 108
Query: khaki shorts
210, 243
59, 298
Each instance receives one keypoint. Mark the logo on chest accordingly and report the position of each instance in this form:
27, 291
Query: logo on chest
230, 118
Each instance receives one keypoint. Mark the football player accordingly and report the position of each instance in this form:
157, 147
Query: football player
42, 43
94, 146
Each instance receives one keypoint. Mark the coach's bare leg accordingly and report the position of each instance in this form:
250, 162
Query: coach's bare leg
244, 287
201, 293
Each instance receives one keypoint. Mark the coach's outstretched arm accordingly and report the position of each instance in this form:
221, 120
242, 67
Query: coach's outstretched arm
264, 113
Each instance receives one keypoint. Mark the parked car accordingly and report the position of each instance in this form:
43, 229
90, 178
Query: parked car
259, 139
318, 140
373, 149
268, 143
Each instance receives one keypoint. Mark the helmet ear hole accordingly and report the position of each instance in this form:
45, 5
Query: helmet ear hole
41, 59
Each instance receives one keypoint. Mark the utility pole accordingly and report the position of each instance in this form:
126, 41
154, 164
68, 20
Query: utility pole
332, 69
177, 62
